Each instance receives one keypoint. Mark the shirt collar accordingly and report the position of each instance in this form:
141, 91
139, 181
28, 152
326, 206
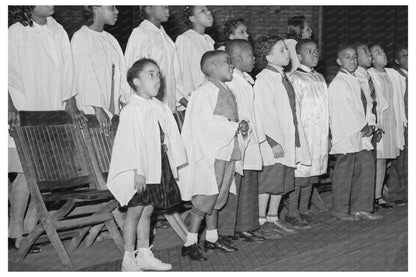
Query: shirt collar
403, 70
150, 26
280, 69
306, 69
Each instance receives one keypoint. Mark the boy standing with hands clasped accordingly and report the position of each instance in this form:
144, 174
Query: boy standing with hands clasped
353, 179
211, 134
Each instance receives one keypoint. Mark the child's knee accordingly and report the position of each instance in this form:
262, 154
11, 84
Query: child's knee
148, 211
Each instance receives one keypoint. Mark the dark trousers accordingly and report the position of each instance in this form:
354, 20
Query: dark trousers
241, 213
353, 182
300, 197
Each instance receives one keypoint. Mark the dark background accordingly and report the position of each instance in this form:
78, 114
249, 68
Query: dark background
331, 25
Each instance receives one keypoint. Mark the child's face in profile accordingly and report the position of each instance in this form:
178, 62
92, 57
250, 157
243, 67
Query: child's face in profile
109, 14
309, 55
279, 55
247, 60
148, 81
347, 59
224, 68
160, 13
240, 32
364, 56
202, 16
307, 31
402, 60
379, 57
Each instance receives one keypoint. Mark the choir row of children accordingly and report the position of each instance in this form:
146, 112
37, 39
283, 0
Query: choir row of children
244, 143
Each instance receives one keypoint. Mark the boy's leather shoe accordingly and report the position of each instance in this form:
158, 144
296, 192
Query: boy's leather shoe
343, 216
228, 240
219, 245
297, 222
366, 215
193, 252
248, 236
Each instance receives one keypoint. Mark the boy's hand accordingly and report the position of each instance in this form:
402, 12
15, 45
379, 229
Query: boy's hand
378, 134
366, 131
77, 116
139, 183
14, 119
103, 120
278, 151
243, 127
183, 102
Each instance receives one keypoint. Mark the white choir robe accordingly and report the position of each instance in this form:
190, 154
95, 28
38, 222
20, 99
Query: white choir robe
94, 55
399, 88
291, 46
137, 146
190, 47
362, 75
40, 66
273, 106
312, 95
40, 71
241, 86
346, 115
206, 137
148, 41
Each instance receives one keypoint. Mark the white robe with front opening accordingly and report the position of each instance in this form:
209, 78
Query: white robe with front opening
190, 47
346, 115
206, 137
244, 94
148, 41
137, 146
273, 106
94, 55
312, 95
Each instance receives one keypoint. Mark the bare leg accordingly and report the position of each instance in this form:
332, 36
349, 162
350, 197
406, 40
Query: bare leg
274, 204
263, 201
143, 227
18, 198
212, 220
130, 226
380, 174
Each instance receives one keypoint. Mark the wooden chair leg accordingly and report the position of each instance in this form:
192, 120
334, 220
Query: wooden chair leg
76, 240
317, 201
115, 234
177, 224
119, 218
57, 243
28, 241
94, 231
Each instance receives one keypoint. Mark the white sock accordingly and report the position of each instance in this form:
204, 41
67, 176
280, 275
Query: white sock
262, 220
191, 238
271, 218
211, 235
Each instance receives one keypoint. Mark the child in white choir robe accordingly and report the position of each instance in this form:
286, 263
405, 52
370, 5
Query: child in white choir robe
191, 45
234, 29
146, 154
297, 29
312, 94
390, 88
275, 101
211, 134
353, 178
40, 77
149, 40
239, 218
99, 66
398, 180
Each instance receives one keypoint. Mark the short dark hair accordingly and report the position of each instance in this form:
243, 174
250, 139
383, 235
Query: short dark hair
302, 42
135, 70
21, 14
295, 26
88, 14
231, 45
208, 55
344, 46
230, 26
399, 49
263, 47
188, 11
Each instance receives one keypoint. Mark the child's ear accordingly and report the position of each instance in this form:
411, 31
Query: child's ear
396, 61
300, 57
136, 82
339, 61
268, 58
192, 18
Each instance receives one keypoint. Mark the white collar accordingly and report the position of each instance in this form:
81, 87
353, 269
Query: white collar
305, 68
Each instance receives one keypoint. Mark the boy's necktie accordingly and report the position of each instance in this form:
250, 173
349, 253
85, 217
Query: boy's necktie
373, 95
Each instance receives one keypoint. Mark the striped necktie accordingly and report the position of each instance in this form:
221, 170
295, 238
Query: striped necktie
373, 95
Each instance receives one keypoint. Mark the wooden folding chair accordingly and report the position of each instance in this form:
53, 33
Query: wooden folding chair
100, 148
57, 169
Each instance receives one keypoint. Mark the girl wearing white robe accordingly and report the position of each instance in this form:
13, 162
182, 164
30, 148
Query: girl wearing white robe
99, 71
149, 41
191, 45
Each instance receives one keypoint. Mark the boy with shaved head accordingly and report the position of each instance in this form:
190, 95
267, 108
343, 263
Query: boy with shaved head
211, 133
239, 218
353, 178
312, 94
